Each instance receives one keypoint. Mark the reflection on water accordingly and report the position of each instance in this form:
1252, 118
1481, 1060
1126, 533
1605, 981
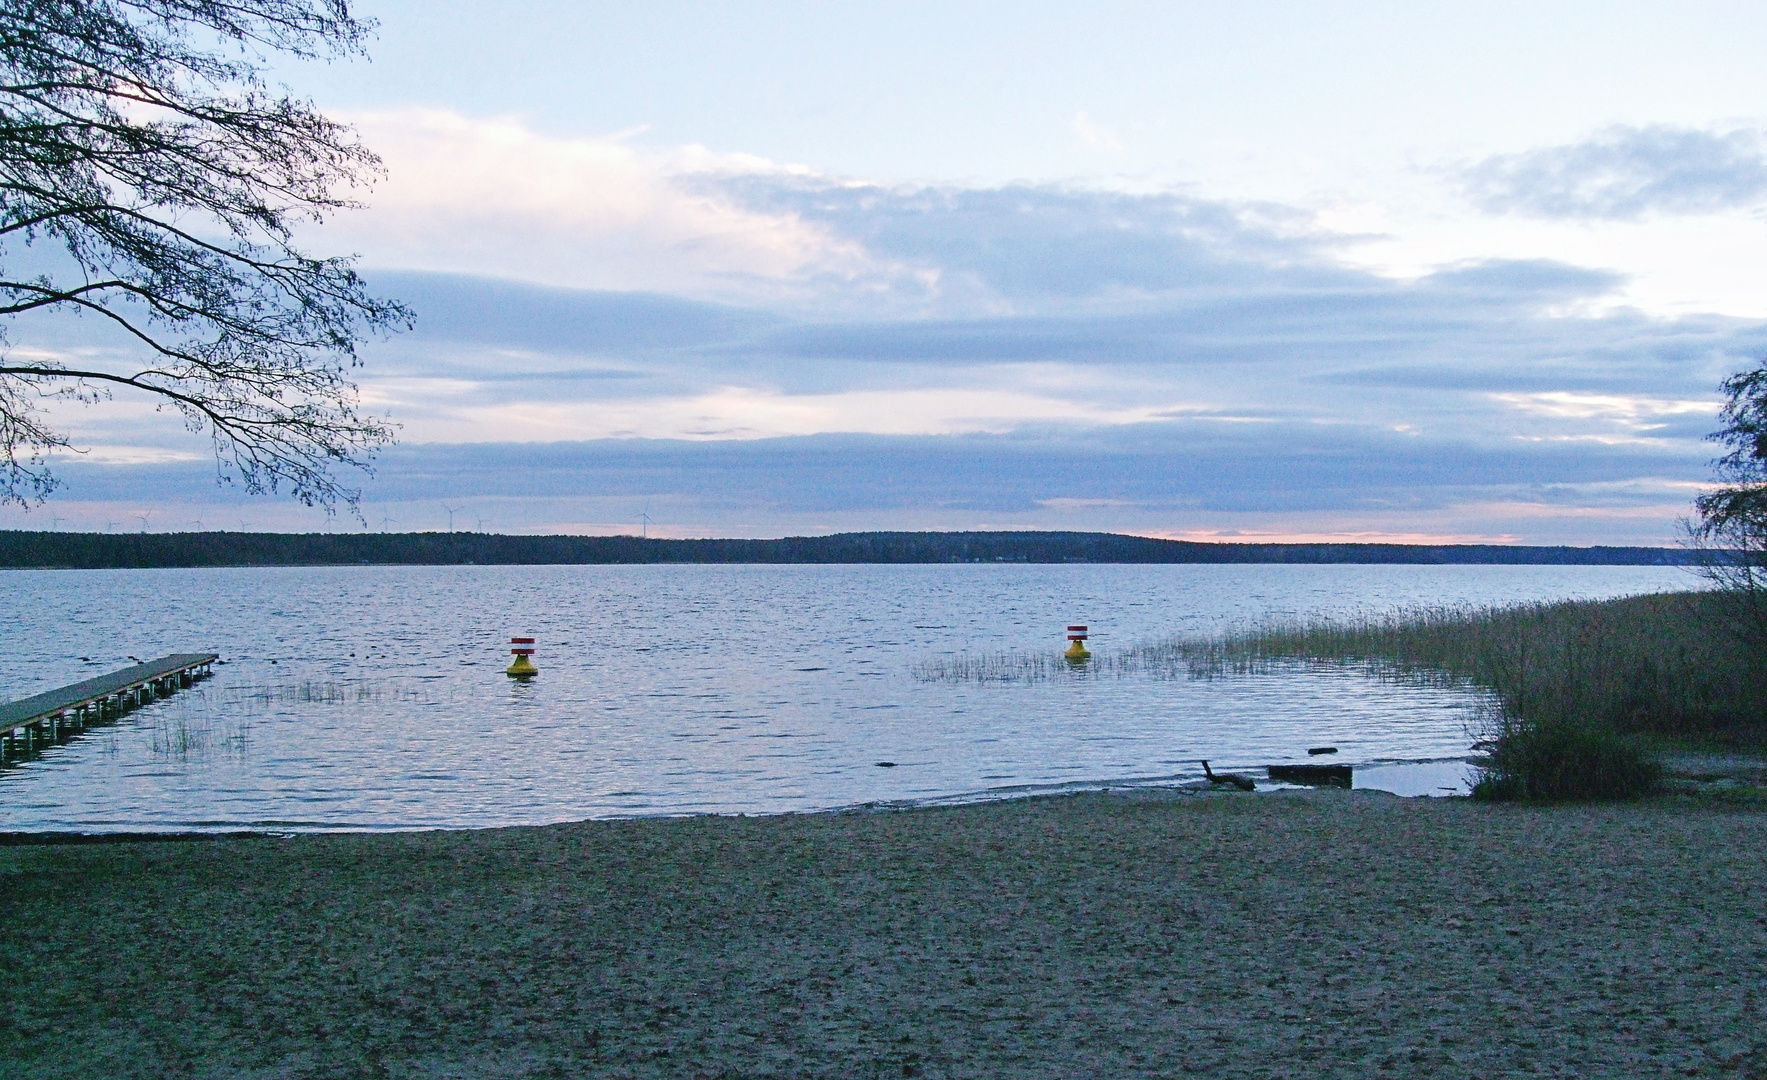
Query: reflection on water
1418, 777
374, 697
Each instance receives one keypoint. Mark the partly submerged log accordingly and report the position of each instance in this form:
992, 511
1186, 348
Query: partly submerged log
1312, 775
1243, 783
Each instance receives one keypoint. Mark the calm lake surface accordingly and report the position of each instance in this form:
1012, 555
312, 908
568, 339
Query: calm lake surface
374, 697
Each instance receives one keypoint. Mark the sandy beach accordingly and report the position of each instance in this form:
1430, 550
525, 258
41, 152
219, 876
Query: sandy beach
1155, 934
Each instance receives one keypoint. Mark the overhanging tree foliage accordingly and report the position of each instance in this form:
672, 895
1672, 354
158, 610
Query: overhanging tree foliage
1732, 527
150, 179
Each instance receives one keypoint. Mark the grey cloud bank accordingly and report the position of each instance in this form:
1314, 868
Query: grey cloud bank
1139, 478
1174, 464
1624, 173
1261, 384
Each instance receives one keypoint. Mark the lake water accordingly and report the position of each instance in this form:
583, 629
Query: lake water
374, 697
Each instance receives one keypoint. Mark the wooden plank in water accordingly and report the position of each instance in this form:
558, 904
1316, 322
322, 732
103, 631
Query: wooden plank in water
15, 714
1313, 775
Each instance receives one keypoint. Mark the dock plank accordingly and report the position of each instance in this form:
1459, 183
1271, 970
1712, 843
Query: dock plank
26, 710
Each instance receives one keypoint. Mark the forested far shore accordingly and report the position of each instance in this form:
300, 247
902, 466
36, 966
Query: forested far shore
81, 550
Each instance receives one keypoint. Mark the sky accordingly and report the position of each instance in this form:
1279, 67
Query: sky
1256, 271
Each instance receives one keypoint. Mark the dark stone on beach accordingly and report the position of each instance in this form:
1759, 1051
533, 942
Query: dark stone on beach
1317, 750
1312, 775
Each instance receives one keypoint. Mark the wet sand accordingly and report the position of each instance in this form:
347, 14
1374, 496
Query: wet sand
1156, 934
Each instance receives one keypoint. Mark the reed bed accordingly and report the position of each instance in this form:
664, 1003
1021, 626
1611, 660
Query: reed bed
1008, 667
198, 726
327, 692
1585, 693
1666, 665
209, 720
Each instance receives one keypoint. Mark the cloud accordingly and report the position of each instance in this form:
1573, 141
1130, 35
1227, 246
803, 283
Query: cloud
1631, 409
1027, 249
736, 412
480, 310
1480, 349
137, 455
1095, 136
493, 197
1537, 283
1152, 477
1625, 173
1290, 314
763, 348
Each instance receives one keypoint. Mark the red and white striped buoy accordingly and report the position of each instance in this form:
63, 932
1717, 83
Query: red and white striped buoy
523, 668
1077, 644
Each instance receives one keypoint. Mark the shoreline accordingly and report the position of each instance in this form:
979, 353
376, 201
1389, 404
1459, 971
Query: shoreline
1177, 784
1697, 773
1316, 933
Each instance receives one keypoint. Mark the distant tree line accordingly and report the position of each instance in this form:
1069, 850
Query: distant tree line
140, 550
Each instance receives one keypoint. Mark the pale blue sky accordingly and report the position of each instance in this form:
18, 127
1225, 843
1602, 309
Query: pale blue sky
988, 92
1367, 271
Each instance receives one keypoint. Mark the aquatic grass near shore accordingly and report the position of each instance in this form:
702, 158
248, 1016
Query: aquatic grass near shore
327, 692
1581, 689
190, 736
209, 720
1661, 664
1009, 667
197, 725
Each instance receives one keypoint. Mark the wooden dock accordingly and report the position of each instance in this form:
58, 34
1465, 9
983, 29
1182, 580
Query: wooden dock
42, 720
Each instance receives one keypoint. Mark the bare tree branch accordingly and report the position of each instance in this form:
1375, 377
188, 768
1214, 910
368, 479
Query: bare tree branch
1731, 534
137, 137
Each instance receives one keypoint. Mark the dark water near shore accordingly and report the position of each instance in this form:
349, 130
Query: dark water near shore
373, 697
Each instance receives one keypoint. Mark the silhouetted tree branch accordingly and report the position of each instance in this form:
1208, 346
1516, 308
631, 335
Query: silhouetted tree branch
158, 184
1731, 532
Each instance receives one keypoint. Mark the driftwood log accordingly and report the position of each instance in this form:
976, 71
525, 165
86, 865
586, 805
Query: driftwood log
1312, 775
1243, 783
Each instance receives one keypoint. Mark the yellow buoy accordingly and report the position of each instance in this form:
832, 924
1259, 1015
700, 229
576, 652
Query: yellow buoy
1077, 653
523, 668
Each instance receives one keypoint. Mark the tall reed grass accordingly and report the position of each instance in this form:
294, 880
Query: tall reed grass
1583, 690
1664, 665
198, 725
327, 692
1006, 667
